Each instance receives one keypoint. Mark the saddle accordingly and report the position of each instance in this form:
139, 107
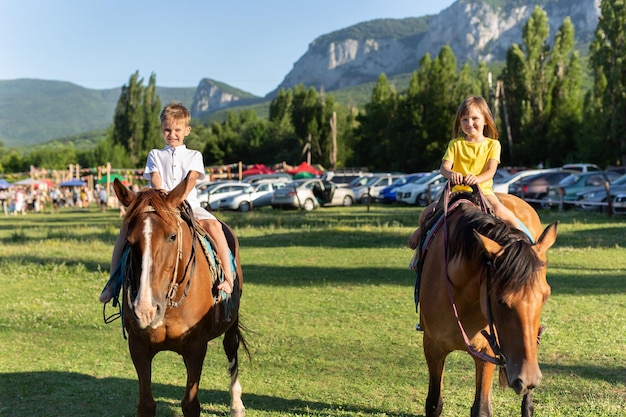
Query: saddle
434, 220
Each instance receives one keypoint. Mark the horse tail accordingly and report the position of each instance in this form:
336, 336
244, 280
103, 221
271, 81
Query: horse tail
239, 331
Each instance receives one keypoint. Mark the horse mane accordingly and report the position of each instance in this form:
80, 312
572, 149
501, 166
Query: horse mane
514, 269
148, 200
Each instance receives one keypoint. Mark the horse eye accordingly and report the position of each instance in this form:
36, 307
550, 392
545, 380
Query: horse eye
172, 238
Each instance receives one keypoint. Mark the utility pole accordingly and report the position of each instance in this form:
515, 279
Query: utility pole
499, 92
333, 152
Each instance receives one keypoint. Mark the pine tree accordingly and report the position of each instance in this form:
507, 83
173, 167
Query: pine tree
136, 125
374, 122
608, 100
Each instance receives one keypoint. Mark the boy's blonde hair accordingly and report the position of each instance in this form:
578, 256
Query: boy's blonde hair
490, 130
175, 112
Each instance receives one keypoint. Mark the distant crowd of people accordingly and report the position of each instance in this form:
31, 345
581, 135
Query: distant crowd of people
21, 200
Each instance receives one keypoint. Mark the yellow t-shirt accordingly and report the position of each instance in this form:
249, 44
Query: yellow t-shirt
471, 158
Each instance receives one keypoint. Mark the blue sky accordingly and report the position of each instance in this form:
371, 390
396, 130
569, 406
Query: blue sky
249, 44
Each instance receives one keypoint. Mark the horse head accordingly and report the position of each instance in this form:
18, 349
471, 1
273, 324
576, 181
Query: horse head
512, 297
156, 239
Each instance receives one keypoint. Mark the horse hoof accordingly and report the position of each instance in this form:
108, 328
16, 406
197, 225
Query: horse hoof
237, 412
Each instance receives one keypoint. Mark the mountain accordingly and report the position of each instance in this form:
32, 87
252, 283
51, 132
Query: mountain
346, 62
476, 30
35, 111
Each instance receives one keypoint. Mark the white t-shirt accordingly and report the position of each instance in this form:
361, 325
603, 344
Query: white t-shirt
174, 163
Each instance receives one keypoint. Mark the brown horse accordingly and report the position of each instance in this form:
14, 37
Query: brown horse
170, 301
483, 285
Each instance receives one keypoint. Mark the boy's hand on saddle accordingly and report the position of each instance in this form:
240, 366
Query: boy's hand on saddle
226, 286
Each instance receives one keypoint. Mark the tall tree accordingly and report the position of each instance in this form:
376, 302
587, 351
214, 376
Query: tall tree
542, 88
441, 100
608, 101
564, 110
135, 128
374, 122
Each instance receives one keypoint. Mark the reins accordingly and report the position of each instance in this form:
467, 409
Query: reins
173, 289
491, 336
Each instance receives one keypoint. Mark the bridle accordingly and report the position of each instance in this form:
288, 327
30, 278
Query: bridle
190, 265
491, 336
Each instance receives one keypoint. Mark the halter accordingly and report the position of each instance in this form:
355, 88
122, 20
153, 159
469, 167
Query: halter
174, 284
491, 336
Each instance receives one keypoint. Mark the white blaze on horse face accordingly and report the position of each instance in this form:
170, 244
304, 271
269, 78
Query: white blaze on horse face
144, 310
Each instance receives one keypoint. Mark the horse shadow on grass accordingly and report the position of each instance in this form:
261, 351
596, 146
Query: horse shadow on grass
41, 394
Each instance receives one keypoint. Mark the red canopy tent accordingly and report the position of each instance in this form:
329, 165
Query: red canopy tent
257, 169
304, 167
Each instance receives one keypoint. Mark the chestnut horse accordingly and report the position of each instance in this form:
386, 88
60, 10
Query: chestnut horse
483, 286
170, 301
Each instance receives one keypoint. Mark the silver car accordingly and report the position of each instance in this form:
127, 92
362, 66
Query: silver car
210, 196
371, 188
256, 195
310, 193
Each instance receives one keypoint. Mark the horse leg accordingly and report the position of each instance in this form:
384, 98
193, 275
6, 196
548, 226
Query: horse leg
528, 408
231, 342
435, 359
142, 359
194, 359
482, 398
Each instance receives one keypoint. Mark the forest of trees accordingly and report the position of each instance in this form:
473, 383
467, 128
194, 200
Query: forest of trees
543, 114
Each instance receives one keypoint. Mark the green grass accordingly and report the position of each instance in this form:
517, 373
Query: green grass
328, 301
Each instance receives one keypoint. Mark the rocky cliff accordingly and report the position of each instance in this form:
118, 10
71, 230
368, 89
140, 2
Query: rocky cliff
474, 30
211, 96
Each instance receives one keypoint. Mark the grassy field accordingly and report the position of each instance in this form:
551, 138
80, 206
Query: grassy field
328, 301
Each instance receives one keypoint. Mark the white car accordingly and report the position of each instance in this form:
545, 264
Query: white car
423, 191
210, 196
310, 193
256, 195
372, 187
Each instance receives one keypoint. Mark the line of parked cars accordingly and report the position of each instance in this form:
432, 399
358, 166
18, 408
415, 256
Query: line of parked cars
583, 186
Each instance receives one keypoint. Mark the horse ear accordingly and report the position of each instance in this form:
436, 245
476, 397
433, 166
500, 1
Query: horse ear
547, 238
491, 247
179, 193
122, 192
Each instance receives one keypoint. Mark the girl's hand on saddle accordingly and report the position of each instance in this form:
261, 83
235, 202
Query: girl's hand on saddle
470, 180
456, 178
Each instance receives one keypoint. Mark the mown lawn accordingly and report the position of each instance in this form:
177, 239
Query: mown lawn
328, 301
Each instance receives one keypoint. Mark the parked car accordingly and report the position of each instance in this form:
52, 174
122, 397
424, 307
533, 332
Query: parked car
359, 181
343, 177
502, 185
210, 196
596, 198
310, 193
582, 167
371, 189
534, 189
388, 194
423, 191
257, 194
619, 204
568, 188
283, 176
